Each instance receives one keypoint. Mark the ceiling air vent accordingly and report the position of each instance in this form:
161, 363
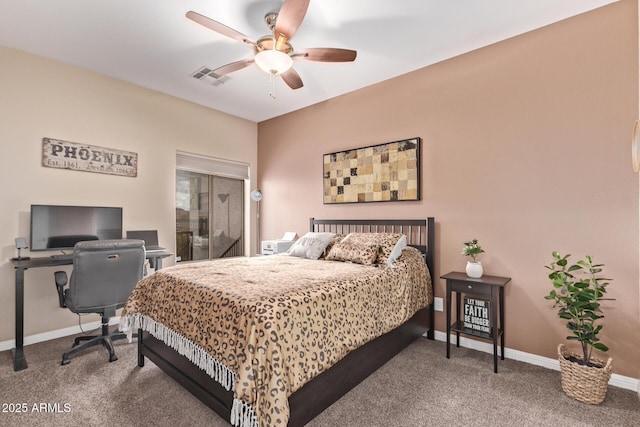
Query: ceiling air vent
206, 75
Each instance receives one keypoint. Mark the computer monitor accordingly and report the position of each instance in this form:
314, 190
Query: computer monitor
56, 227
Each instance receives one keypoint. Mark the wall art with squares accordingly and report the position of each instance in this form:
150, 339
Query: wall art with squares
379, 173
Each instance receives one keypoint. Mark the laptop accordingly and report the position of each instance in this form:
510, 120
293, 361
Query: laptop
150, 238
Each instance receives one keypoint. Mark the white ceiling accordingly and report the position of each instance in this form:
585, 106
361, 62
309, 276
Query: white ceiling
152, 44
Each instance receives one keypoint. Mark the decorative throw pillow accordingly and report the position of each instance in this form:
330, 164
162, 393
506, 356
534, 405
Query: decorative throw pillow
357, 248
333, 241
311, 245
391, 246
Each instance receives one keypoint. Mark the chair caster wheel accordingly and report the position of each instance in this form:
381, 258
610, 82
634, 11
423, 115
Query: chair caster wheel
65, 362
113, 358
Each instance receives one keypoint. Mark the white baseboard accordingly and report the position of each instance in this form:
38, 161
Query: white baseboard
616, 380
59, 333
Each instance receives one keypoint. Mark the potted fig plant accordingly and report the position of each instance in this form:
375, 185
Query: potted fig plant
474, 267
577, 291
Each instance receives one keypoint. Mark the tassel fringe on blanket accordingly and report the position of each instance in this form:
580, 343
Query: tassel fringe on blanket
242, 414
196, 354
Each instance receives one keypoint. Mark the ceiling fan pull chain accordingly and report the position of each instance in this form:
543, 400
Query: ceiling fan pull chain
272, 85
272, 75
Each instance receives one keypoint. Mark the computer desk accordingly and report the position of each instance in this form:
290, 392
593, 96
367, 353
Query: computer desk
20, 265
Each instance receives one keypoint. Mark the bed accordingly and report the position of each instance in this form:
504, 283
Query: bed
292, 348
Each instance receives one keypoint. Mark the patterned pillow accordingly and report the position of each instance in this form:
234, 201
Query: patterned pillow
391, 246
359, 248
334, 240
311, 245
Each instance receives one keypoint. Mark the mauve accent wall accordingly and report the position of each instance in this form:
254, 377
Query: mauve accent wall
526, 146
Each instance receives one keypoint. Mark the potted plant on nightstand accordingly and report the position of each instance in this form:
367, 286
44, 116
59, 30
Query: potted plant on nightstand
577, 291
474, 267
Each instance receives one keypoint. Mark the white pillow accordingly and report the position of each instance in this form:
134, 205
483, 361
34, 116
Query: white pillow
397, 250
311, 245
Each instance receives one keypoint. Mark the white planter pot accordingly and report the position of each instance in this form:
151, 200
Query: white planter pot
474, 269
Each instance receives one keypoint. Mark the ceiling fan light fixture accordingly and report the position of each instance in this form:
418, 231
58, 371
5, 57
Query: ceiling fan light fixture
273, 61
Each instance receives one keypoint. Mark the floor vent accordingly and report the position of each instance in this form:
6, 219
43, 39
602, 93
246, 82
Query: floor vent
206, 75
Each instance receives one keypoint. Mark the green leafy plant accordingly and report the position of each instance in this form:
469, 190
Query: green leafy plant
577, 291
472, 249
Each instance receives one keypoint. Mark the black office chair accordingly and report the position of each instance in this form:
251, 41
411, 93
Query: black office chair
104, 274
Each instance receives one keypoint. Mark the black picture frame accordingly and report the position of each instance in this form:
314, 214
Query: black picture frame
388, 172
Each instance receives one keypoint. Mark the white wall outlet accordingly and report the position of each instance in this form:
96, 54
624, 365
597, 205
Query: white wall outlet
437, 304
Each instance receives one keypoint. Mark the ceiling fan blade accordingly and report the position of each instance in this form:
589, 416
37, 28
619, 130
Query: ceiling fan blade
292, 79
218, 27
289, 18
325, 54
234, 66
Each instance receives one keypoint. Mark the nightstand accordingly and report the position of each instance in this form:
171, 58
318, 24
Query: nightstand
480, 321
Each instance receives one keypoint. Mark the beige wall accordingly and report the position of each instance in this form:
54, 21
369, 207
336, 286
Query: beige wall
41, 98
525, 147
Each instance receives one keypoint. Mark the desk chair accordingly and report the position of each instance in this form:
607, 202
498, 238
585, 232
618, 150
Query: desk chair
104, 274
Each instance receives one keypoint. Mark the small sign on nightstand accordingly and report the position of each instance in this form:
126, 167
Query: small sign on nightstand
476, 314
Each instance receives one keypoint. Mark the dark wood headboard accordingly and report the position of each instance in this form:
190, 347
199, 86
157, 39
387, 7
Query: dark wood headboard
420, 232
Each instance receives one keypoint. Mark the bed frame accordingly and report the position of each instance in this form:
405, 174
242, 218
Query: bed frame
317, 395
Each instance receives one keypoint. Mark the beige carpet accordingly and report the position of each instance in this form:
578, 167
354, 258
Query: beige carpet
419, 387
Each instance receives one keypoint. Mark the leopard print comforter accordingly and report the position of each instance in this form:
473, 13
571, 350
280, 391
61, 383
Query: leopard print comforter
276, 322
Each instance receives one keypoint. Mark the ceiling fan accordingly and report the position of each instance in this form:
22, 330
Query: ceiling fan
274, 53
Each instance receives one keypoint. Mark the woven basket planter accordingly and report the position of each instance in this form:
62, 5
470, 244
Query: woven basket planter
584, 383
